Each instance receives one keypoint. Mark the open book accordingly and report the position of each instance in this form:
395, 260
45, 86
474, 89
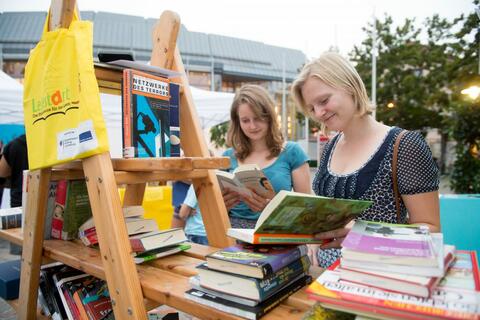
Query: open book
244, 178
292, 217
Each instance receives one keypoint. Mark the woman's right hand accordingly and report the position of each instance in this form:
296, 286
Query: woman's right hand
231, 198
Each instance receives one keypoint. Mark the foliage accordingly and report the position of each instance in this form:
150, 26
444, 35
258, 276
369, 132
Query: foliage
466, 171
218, 134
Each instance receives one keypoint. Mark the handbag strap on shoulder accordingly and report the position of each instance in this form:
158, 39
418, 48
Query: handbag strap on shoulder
396, 193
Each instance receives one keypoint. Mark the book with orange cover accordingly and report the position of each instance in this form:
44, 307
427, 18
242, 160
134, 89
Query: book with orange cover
457, 298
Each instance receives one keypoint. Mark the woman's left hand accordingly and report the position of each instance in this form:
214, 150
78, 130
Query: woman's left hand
255, 202
337, 236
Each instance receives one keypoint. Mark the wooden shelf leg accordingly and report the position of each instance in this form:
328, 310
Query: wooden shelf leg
33, 227
134, 194
120, 270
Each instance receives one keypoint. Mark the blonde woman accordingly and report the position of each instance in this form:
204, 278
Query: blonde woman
255, 138
357, 162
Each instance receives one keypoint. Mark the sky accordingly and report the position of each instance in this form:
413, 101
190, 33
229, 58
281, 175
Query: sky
312, 26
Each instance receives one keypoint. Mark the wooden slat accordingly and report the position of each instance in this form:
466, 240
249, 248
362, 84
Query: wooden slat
134, 194
33, 227
193, 144
125, 291
124, 177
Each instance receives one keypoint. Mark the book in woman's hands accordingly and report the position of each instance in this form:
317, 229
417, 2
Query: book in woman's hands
293, 217
245, 178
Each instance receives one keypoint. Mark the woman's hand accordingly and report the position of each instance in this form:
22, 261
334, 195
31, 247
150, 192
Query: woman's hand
337, 236
255, 202
231, 198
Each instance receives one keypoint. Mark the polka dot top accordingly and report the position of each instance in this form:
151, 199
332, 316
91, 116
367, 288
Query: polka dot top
416, 170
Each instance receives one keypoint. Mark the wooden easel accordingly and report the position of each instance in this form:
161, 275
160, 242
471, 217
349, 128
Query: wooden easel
103, 174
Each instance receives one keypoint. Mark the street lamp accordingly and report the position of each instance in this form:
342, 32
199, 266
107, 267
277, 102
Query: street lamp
474, 91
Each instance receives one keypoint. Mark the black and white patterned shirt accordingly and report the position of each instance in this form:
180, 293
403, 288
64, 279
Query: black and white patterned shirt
417, 172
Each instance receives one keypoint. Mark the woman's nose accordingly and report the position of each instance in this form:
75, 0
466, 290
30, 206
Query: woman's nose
318, 111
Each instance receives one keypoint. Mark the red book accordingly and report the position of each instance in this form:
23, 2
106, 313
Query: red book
456, 297
60, 199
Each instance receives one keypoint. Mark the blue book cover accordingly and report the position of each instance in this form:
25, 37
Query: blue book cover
174, 120
146, 115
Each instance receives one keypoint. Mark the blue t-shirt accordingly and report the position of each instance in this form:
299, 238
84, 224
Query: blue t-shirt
194, 223
279, 173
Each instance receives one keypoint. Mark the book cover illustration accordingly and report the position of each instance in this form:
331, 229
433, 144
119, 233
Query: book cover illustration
146, 115
390, 239
307, 214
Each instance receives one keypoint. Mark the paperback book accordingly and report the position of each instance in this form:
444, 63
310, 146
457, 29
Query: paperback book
11, 218
258, 261
292, 217
389, 243
446, 302
157, 239
245, 178
248, 287
244, 311
146, 115
160, 252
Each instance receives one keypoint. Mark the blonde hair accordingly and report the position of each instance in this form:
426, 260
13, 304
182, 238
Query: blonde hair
263, 107
337, 73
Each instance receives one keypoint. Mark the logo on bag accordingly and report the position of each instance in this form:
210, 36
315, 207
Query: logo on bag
59, 102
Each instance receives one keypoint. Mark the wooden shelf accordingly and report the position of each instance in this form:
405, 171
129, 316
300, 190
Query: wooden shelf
163, 280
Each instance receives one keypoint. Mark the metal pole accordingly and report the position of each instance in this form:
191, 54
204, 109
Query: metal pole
212, 75
284, 100
374, 67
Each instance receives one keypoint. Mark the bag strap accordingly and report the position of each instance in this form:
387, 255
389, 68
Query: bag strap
396, 193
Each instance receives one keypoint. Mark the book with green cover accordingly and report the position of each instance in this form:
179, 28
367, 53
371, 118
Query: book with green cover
293, 217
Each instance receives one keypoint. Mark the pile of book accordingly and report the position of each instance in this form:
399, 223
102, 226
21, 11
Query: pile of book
247, 280
67, 293
400, 271
147, 241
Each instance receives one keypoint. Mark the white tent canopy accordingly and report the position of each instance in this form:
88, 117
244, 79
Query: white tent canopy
212, 108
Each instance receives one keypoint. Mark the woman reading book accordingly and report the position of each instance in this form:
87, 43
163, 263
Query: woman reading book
255, 138
357, 162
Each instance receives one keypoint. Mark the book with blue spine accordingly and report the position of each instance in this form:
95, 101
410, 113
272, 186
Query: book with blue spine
174, 119
258, 261
248, 287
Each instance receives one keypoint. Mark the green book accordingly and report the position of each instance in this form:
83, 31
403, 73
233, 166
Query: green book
292, 217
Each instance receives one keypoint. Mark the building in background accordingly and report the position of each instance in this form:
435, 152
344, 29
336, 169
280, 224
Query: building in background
212, 62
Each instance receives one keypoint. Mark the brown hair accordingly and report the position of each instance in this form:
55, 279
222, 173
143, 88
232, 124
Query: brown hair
338, 73
263, 106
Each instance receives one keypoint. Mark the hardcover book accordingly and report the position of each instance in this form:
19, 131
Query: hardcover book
72, 209
292, 217
95, 299
157, 239
248, 287
389, 243
244, 311
446, 302
11, 218
174, 120
254, 260
146, 115
49, 290
245, 178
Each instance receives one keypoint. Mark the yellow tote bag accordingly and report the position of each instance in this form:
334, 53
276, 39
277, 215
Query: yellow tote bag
61, 101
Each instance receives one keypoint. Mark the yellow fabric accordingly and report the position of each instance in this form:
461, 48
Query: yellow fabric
61, 102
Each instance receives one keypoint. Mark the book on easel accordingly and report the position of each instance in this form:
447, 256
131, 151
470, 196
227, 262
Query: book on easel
293, 217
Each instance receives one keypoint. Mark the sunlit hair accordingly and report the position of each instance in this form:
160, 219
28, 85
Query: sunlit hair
337, 73
262, 106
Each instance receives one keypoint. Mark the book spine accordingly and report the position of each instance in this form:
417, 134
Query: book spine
127, 114
275, 265
58, 210
137, 245
174, 119
279, 279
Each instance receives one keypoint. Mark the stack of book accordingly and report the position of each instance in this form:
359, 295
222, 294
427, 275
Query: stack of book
147, 241
248, 281
400, 271
401, 258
